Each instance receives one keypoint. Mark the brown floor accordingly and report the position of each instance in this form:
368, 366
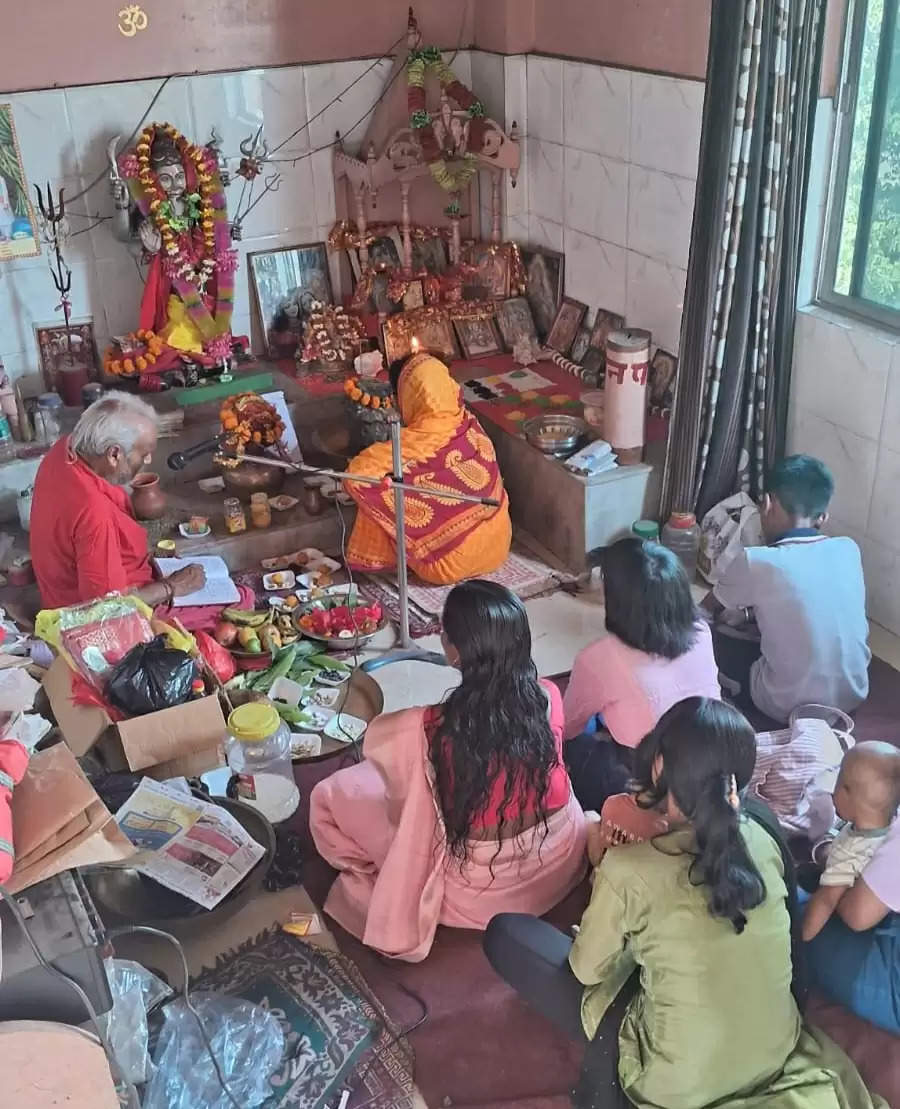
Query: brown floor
482, 1048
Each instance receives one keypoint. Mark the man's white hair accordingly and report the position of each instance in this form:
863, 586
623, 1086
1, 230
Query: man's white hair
116, 420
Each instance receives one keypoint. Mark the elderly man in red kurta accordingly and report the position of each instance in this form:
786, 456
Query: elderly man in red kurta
85, 541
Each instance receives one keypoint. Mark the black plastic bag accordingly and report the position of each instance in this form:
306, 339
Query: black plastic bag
150, 677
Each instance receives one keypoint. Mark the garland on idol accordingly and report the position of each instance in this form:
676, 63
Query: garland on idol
451, 178
196, 246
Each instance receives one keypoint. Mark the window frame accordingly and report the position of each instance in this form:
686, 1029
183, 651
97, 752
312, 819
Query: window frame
855, 304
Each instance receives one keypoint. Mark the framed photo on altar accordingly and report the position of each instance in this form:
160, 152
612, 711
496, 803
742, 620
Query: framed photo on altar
516, 322
492, 263
478, 336
605, 323
545, 272
565, 327
430, 325
429, 255
53, 348
286, 282
414, 297
661, 379
581, 344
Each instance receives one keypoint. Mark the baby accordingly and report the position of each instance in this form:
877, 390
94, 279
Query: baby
866, 796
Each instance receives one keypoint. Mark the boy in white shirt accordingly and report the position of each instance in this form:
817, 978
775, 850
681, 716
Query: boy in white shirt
808, 598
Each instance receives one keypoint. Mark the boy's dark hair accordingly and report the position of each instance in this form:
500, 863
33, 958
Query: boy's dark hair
803, 485
648, 598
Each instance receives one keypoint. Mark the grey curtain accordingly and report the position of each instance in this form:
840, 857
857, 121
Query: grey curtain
729, 417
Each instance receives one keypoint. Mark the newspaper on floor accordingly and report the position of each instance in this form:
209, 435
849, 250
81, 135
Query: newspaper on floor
190, 846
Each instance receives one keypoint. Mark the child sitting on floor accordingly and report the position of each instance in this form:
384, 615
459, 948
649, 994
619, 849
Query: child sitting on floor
808, 598
866, 796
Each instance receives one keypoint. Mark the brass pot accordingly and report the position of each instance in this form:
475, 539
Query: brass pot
251, 477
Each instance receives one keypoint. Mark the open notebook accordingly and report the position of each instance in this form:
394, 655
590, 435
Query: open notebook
219, 588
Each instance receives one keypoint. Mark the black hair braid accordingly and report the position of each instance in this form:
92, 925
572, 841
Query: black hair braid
495, 723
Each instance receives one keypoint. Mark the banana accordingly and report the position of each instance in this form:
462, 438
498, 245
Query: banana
245, 618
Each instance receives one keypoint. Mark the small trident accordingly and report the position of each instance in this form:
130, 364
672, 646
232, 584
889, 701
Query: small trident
55, 231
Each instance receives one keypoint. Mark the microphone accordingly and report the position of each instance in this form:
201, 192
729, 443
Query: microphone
180, 459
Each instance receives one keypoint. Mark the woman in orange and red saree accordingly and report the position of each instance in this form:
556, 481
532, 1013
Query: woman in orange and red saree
442, 446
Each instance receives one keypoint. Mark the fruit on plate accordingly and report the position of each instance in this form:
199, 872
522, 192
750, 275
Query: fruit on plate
246, 636
342, 621
245, 617
225, 633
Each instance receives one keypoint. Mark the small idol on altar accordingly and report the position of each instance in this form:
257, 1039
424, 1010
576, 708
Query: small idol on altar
170, 191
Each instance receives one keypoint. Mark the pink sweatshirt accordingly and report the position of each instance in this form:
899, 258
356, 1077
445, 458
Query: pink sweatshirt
631, 690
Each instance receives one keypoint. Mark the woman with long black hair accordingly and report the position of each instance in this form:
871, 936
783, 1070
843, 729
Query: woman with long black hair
680, 974
460, 810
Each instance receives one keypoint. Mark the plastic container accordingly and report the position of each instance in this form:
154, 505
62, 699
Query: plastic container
235, 520
7, 446
259, 753
681, 534
645, 529
260, 512
48, 418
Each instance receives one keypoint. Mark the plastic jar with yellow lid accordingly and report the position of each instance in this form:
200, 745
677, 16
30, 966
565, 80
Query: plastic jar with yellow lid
259, 753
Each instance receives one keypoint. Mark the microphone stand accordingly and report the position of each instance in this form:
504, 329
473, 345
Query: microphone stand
406, 651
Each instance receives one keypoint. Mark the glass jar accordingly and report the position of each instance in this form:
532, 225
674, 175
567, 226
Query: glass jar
235, 520
48, 418
260, 512
258, 749
681, 534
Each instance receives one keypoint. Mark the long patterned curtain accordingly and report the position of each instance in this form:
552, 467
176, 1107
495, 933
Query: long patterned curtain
730, 413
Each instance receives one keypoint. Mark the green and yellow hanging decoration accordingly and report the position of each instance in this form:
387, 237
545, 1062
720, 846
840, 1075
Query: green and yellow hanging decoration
455, 175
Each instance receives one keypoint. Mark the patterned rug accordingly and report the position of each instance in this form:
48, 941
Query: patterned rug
336, 1033
523, 573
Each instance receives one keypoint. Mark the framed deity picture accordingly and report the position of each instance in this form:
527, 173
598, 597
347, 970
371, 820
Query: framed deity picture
430, 255
492, 264
580, 345
478, 336
286, 283
545, 272
414, 297
565, 327
53, 344
431, 326
516, 322
18, 228
385, 253
603, 325
661, 379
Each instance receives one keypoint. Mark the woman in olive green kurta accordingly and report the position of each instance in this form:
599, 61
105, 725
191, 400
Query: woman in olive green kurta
701, 914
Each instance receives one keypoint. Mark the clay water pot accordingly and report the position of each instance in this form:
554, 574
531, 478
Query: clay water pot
147, 498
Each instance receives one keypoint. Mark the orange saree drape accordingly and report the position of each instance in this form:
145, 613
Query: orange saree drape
443, 446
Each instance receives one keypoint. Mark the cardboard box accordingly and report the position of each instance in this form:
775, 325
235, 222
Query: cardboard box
183, 740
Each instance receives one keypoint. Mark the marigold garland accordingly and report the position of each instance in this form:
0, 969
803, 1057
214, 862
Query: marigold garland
143, 346
368, 400
452, 178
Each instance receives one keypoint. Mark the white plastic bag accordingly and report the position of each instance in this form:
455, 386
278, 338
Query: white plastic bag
725, 530
135, 990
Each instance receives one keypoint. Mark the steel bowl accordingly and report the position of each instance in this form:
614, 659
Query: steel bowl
555, 434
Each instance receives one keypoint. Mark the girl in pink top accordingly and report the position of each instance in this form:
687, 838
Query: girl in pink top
657, 650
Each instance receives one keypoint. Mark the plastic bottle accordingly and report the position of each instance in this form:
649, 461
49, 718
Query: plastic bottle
646, 529
681, 534
259, 753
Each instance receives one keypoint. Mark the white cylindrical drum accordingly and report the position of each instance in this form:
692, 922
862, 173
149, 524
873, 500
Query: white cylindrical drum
625, 402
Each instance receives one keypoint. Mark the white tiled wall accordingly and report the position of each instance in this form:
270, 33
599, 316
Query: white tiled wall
63, 135
845, 408
611, 165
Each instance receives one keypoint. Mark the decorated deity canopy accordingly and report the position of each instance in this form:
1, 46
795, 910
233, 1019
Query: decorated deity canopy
444, 146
